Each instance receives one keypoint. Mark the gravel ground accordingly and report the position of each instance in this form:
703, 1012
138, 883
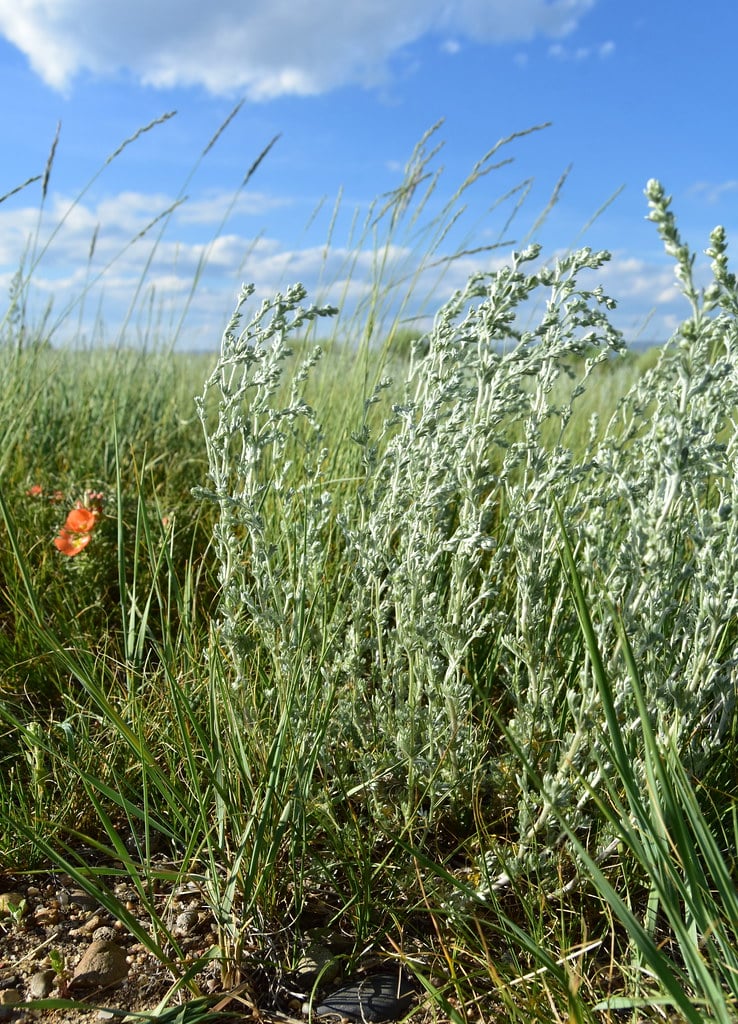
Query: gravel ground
56, 942
44, 943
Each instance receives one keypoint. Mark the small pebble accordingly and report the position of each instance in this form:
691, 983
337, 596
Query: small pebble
88, 927
80, 898
46, 916
185, 922
8, 998
40, 984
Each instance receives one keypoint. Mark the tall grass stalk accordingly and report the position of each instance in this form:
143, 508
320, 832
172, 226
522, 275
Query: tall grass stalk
39, 245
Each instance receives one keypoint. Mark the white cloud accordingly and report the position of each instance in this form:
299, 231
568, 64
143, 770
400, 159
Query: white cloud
211, 208
714, 192
650, 303
263, 49
129, 262
580, 53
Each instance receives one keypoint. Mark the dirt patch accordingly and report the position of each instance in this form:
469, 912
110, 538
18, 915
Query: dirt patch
56, 942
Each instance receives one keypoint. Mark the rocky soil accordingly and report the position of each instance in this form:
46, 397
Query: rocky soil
57, 943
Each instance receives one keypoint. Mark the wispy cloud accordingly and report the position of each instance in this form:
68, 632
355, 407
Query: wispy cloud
264, 49
714, 192
581, 53
211, 208
650, 303
161, 267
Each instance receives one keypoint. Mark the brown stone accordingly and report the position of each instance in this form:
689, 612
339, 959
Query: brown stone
104, 963
12, 903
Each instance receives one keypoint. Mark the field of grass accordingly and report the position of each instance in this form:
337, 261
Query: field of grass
429, 642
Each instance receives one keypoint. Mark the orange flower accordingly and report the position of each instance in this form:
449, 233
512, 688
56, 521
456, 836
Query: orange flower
75, 535
35, 491
71, 543
81, 520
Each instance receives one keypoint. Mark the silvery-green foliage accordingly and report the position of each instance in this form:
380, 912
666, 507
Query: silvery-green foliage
451, 489
265, 578
426, 541
652, 515
432, 587
668, 469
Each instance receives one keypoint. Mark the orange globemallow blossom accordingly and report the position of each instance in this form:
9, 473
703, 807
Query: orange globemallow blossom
71, 543
75, 535
81, 520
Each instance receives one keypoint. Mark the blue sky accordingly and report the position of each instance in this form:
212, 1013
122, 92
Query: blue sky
633, 91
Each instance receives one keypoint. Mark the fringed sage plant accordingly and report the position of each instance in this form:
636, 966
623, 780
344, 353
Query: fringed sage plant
448, 490
652, 512
264, 574
424, 604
